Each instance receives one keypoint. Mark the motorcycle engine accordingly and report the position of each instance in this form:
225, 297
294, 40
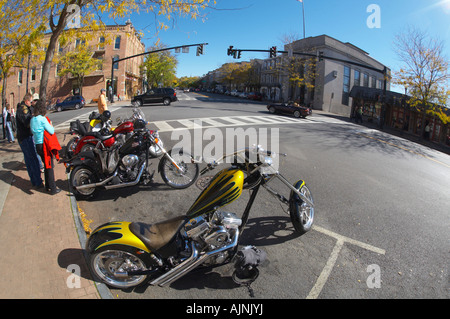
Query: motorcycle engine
129, 167
213, 234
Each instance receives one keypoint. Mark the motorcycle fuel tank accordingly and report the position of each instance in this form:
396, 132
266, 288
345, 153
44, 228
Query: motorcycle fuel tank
125, 127
224, 188
131, 146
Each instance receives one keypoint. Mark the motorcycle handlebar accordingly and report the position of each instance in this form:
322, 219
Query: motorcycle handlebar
256, 150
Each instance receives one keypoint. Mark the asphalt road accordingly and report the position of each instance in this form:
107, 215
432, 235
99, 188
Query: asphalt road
382, 218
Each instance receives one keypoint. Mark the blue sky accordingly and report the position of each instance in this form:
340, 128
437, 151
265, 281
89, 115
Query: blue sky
260, 24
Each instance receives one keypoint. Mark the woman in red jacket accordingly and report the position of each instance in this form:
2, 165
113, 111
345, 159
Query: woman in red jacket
43, 132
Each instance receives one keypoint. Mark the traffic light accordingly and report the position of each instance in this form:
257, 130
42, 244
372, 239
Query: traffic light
320, 56
199, 49
273, 52
230, 50
239, 54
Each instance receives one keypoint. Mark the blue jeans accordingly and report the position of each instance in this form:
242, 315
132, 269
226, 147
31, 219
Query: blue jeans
31, 160
9, 132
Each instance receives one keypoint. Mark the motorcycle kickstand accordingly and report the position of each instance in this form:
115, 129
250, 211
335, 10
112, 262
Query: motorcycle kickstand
148, 178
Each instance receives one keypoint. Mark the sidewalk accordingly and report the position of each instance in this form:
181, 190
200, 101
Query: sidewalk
39, 236
402, 134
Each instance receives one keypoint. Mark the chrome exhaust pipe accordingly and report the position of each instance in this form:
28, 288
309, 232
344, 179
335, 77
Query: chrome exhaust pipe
174, 271
192, 262
96, 184
136, 181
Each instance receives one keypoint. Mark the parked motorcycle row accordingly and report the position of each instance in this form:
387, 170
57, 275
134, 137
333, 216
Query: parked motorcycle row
127, 254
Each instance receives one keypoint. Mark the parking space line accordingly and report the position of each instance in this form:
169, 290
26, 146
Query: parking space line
341, 240
315, 291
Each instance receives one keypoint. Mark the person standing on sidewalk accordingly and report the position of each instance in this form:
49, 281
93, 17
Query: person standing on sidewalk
101, 103
7, 118
25, 138
39, 125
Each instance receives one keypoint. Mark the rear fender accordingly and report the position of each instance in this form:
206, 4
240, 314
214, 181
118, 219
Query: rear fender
85, 158
114, 233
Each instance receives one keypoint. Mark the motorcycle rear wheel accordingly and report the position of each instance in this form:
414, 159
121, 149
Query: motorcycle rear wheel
107, 262
302, 215
82, 175
173, 177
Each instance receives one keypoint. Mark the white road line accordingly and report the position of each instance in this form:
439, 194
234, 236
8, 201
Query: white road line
163, 126
232, 120
341, 240
350, 240
316, 290
211, 122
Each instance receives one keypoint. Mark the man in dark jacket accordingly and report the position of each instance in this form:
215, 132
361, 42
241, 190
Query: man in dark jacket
25, 138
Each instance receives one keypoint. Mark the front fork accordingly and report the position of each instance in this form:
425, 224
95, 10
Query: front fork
291, 187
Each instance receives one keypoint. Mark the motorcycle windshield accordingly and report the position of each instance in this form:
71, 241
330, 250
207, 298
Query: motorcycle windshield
138, 114
224, 188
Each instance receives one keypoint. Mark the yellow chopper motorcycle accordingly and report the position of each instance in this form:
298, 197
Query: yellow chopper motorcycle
128, 254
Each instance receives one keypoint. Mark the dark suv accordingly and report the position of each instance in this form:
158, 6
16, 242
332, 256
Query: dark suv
159, 95
72, 102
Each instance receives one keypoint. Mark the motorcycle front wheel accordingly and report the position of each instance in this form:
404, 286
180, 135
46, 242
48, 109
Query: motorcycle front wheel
111, 264
70, 147
302, 215
175, 178
83, 175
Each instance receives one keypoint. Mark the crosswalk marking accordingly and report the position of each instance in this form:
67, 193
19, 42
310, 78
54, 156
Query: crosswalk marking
163, 126
227, 121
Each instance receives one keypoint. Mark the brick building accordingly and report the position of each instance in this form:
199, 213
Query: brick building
117, 41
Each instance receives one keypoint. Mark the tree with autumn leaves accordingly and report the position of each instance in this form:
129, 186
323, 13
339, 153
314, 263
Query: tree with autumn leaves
23, 22
423, 73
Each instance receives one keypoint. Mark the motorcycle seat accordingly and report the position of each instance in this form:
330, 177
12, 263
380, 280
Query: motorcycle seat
156, 236
100, 136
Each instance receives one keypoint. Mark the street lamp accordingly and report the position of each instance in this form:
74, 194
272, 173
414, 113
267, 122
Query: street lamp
303, 12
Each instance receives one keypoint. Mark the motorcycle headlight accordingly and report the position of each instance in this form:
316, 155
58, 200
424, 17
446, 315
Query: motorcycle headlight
268, 160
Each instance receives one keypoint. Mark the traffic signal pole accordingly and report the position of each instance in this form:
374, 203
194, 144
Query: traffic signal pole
199, 52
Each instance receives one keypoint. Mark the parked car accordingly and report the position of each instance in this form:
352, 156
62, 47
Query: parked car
234, 92
159, 95
72, 102
255, 96
243, 95
290, 108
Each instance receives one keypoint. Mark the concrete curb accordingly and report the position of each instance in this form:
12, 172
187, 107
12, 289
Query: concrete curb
102, 289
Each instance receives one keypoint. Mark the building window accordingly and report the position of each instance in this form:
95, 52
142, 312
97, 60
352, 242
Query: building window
374, 82
357, 80
101, 43
346, 87
79, 42
366, 80
20, 77
33, 74
117, 43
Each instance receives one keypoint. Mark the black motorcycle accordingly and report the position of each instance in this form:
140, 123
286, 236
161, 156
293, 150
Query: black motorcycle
127, 164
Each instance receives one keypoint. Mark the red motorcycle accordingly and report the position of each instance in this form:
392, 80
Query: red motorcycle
98, 133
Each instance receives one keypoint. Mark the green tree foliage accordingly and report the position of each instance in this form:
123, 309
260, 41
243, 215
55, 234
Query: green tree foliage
79, 63
160, 67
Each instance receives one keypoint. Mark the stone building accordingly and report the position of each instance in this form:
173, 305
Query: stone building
333, 78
